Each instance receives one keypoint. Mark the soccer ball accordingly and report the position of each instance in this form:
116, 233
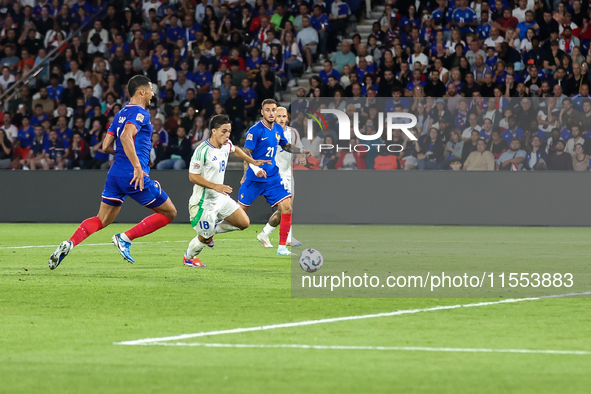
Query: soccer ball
311, 260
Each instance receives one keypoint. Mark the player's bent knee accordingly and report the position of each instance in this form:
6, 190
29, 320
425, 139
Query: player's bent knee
244, 224
285, 207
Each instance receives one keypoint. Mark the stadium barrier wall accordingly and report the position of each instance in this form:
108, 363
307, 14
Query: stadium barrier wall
72, 196
541, 198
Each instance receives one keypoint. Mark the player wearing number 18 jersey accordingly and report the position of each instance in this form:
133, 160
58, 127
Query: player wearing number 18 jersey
132, 132
211, 209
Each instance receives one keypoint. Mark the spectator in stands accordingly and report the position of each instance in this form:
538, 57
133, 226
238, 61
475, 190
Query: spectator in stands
430, 154
512, 159
536, 156
5, 150
343, 57
264, 83
580, 159
481, 159
166, 73
328, 71
10, 60
77, 153
319, 21
308, 39
6, 79
560, 161
235, 110
180, 152
575, 139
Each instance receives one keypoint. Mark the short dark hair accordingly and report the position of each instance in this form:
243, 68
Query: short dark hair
137, 82
268, 101
218, 120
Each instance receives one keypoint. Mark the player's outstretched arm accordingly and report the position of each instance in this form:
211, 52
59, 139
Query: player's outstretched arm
199, 180
239, 153
295, 150
127, 140
254, 164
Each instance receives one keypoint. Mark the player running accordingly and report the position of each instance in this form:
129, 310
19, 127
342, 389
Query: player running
262, 142
210, 202
285, 164
132, 132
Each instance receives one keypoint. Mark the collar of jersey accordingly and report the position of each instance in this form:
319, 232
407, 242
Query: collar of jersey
267, 127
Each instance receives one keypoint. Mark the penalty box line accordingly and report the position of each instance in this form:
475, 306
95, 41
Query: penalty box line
149, 341
380, 348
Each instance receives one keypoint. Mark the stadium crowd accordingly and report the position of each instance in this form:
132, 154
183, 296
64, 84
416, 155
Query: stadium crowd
494, 85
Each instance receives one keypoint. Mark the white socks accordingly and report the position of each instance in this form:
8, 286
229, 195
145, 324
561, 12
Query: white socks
268, 230
125, 237
195, 247
224, 227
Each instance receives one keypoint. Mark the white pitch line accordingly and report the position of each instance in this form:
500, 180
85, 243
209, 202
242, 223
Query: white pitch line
337, 319
381, 348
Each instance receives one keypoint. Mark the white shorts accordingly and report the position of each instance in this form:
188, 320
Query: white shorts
287, 182
204, 217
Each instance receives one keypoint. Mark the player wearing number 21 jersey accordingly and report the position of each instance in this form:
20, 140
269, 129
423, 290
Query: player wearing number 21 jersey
285, 164
211, 209
263, 140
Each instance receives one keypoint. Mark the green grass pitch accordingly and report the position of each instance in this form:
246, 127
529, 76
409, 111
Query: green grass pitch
58, 328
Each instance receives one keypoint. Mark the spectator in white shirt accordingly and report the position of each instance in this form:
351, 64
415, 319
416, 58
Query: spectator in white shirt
75, 73
166, 73
98, 29
494, 39
308, 38
7, 78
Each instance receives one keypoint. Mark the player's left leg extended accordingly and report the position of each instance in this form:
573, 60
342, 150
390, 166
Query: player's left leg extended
106, 215
152, 197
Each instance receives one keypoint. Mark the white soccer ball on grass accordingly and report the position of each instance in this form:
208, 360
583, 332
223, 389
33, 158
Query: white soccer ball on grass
311, 260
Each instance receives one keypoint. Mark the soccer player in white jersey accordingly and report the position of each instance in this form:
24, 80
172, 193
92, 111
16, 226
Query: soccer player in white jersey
284, 161
210, 202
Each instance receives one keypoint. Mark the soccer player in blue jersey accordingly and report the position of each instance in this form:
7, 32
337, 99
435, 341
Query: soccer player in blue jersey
262, 143
132, 132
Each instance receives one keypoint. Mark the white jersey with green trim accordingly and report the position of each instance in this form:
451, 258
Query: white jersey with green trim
209, 162
284, 160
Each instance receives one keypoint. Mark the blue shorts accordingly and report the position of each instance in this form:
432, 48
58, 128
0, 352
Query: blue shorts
118, 188
273, 190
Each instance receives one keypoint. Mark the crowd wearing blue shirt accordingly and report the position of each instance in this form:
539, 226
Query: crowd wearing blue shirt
205, 43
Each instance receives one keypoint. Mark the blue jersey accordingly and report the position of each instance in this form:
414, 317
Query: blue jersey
140, 118
248, 95
438, 14
523, 26
320, 22
464, 16
483, 31
264, 143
